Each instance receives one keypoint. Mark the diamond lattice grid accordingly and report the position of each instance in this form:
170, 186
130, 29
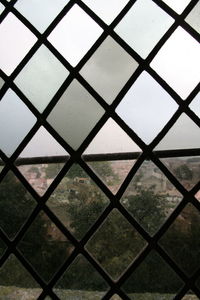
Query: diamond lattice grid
99, 154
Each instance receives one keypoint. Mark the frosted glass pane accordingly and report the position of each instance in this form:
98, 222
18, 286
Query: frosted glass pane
178, 62
15, 122
1, 82
111, 138
177, 5
194, 18
109, 69
143, 26
73, 39
195, 105
40, 79
14, 35
184, 134
146, 108
40, 13
1, 8
76, 113
39, 145
106, 10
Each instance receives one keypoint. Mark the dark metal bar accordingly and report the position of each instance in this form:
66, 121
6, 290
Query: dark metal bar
103, 157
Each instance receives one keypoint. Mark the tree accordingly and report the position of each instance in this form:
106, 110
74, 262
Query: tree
44, 254
183, 172
148, 208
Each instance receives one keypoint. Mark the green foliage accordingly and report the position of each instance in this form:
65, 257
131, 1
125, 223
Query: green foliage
148, 208
103, 170
15, 205
183, 172
35, 170
53, 169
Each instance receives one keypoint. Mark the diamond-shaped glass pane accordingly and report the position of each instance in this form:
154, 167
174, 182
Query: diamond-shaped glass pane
195, 105
177, 5
40, 176
190, 296
106, 10
181, 240
146, 107
74, 35
106, 142
115, 297
180, 71
45, 247
185, 169
15, 120
116, 244
143, 26
16, 282
16, 205
194, 17
81, 281
108, 69
14, 35
77, 201
75, 115
41, 78
2, 7
198, 195
153, 279
1, 82
1, 165
184, 134
150, 198
40, 13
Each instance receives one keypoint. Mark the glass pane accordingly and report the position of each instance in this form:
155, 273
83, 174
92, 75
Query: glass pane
153, 280
40, 79
2, 7
106, 10
115, 297
194, 18
195, 105
77, 201
185, 169
16, 282
190, 296
177, 5
183, 135
81, 281
115, 244
1, 165
16, 120
112, 173
108, 69
180, 70
150, 198
75, 115
45, 247
146, 108
1, 82
198, 195
181, 240
40, 13
14, 35
105, 142
16, 204
73, 39
142, 35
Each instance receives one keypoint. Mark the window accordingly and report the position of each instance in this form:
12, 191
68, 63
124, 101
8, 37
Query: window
99, 149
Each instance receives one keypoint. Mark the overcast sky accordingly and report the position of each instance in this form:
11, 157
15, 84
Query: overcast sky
177, 63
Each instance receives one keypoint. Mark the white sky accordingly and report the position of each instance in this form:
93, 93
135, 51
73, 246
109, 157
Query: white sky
177, 62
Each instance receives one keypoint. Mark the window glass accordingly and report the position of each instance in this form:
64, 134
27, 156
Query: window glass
20, 38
